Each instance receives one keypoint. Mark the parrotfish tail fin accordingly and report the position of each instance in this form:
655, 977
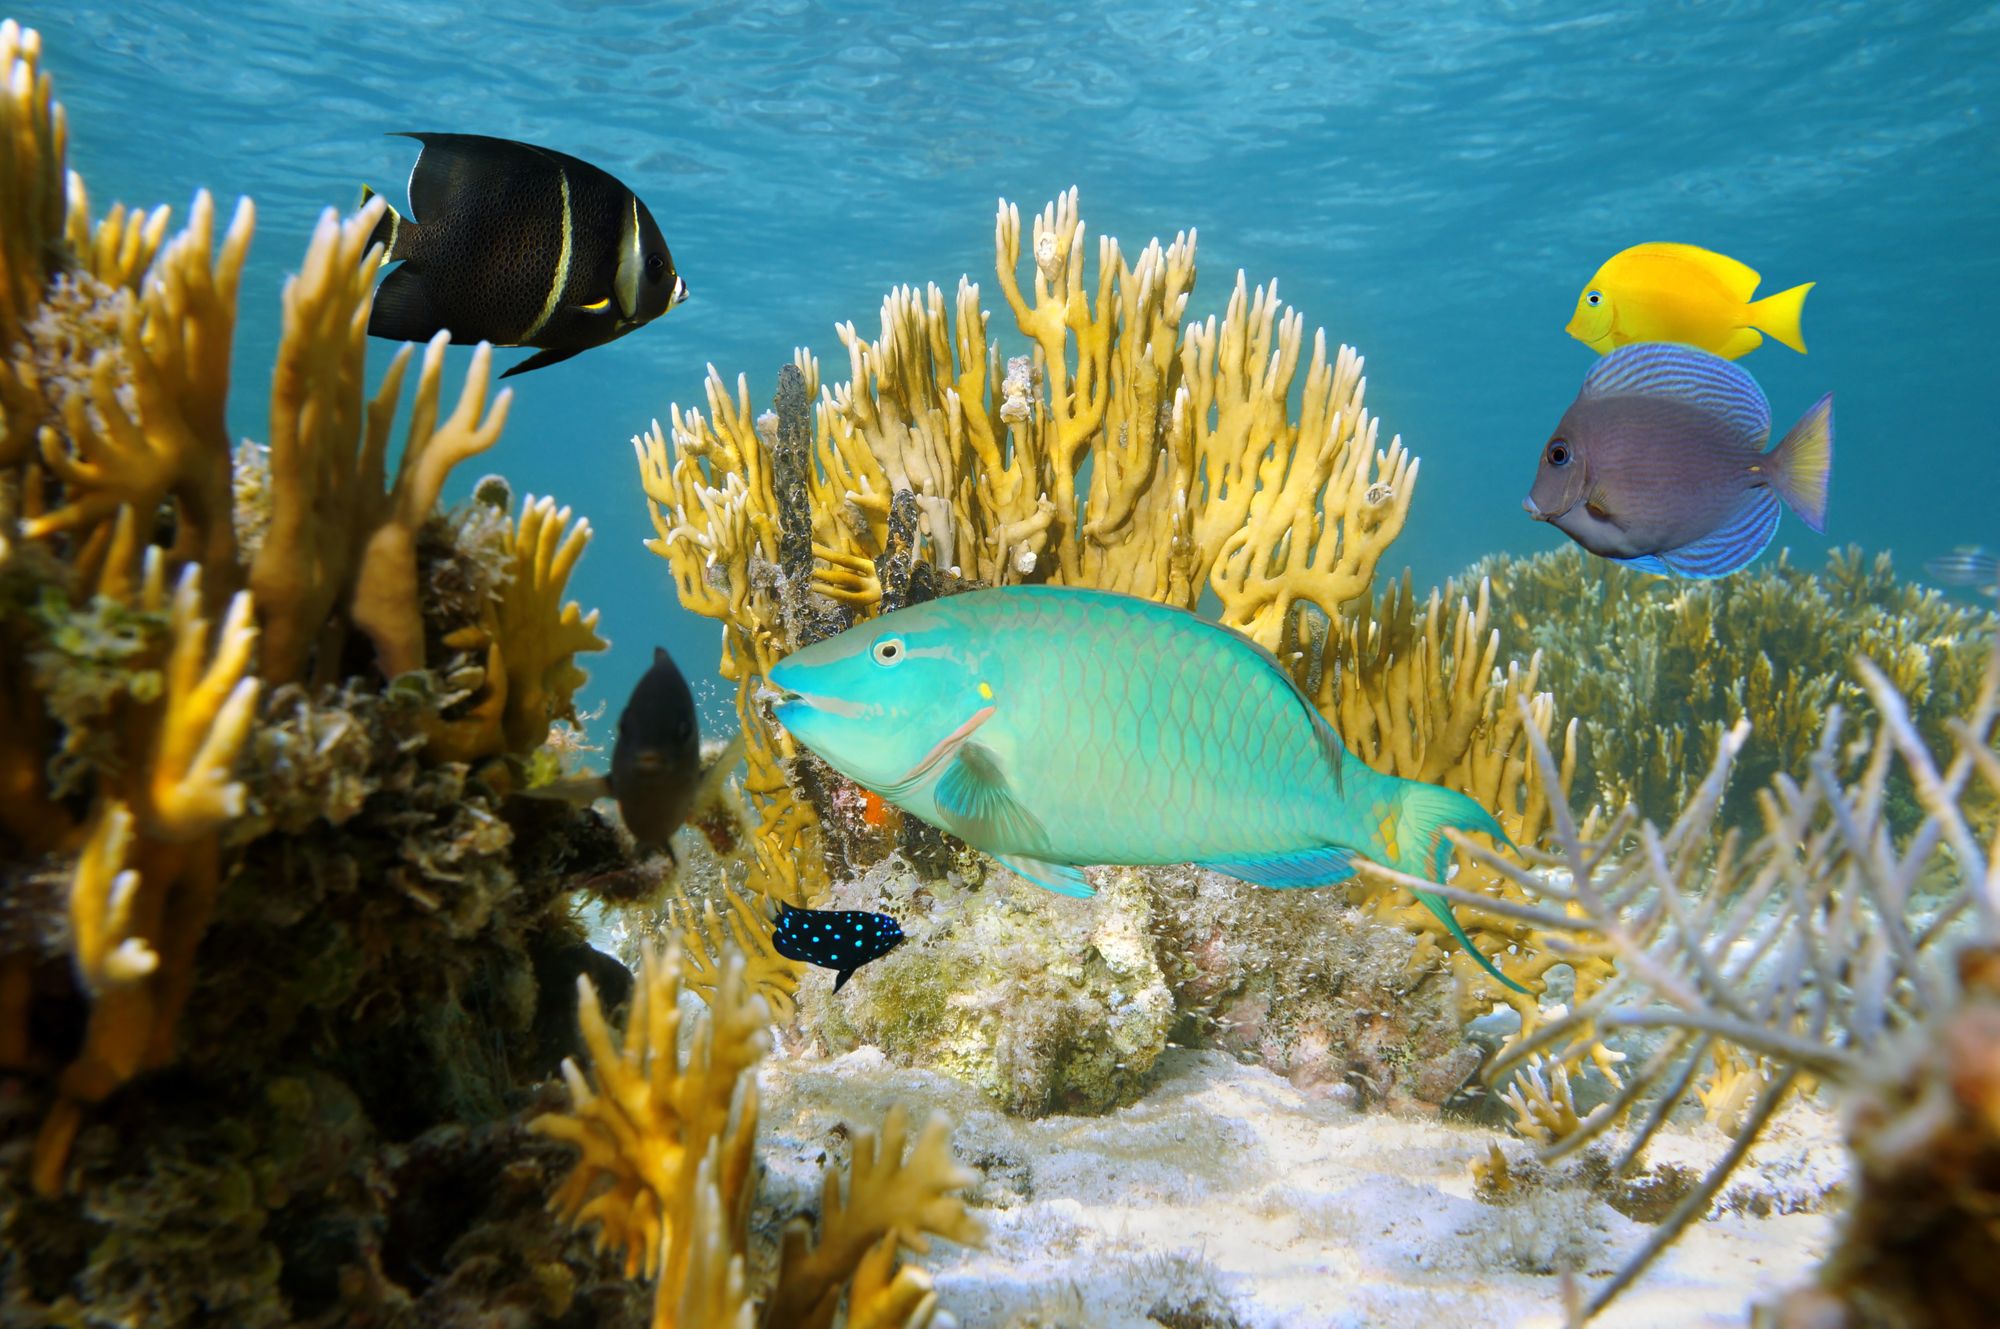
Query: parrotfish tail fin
1802, 465
1423, 851
390, 230
1778, 315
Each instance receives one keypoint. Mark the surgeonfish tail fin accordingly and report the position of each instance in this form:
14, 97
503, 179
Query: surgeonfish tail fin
1778, 316
389, 231
1422, 850
1801, 465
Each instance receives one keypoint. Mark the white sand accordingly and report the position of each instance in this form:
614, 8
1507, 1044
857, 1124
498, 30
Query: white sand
1281, 1209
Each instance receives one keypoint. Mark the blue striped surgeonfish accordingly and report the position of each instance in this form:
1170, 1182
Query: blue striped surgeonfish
1660, 464
1056, 727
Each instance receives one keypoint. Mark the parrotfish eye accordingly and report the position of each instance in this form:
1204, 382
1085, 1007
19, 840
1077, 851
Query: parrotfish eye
888, 651
1593, 298
1559, 453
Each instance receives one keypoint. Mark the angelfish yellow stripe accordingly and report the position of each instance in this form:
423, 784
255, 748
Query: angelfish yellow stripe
562, 267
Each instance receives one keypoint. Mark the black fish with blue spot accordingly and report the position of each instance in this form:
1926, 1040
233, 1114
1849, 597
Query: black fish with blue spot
519, 246
839, 939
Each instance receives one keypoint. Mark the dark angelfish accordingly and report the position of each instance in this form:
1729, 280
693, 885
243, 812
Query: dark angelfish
657, 774
838, 939
519, 246
1660, 463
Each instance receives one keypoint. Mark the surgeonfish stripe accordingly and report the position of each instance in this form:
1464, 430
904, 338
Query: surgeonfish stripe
562, 266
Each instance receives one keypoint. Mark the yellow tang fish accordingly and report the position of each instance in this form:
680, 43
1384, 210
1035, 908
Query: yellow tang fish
1683, 293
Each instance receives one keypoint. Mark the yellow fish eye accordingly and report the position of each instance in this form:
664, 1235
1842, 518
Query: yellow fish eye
1593, 298
888, 650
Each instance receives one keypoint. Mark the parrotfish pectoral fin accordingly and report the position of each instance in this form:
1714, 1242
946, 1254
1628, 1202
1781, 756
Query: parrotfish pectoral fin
1062, 878
1802, 463
1303, 870
539, 360
980, 808
1731, 546
403, 310
1427, 811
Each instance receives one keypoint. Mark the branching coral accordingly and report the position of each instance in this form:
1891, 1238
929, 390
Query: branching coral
1198, 476
1815, 946
667, 1139
1663, 668
135, 928
116, 483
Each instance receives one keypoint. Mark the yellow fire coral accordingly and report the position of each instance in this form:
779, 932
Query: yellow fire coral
1199, 476
135, 929
113, 385
666, 1143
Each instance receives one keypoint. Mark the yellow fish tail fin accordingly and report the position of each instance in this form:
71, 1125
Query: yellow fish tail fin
1802, 464
1778, 315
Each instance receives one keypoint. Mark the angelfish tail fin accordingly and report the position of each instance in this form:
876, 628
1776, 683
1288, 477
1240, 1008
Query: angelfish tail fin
1421, 849
391, 231
1778, 316
1801, 466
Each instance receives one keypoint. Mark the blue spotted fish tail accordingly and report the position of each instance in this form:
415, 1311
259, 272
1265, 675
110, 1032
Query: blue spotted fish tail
1422, 850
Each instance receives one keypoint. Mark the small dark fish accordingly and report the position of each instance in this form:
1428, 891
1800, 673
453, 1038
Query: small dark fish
839, 939
1660, 463
1967, 565
519, 246
656, 768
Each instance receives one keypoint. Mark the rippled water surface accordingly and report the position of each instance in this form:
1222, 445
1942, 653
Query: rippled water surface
1432, 185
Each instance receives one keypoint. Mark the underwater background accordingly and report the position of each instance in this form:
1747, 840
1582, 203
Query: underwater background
1431, 184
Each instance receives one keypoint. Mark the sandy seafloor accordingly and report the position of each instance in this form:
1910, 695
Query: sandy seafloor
1228, 1192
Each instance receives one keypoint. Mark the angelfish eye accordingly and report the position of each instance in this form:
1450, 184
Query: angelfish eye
1594, 298
655, 264
1558, 453
888, 650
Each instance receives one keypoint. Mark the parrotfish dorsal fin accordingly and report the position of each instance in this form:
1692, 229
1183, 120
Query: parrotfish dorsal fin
1685, 374
978, 805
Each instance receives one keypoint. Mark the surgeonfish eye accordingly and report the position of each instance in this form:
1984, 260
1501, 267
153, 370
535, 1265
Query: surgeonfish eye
888, 651
1559, 453
1593, 298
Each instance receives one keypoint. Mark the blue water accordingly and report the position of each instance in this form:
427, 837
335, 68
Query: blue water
1431, 185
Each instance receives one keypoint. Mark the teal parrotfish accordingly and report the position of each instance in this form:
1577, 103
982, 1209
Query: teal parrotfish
519, 245
1057, 727
1659, 463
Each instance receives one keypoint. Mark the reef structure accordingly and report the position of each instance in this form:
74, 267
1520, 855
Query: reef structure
285, 967
1125, 450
